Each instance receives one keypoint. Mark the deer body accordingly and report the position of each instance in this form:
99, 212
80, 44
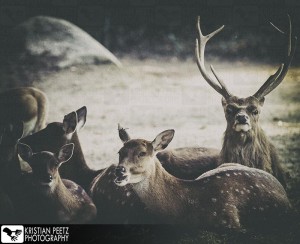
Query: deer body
224, 197
26, 104
244, 140
62, 201
189, 162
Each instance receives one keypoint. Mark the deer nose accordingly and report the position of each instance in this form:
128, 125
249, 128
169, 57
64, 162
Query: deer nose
119, 171
242, 118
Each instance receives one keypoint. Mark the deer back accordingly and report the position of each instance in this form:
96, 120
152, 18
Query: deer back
26, 104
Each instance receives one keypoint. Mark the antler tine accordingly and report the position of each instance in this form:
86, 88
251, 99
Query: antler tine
199, 51
274, 80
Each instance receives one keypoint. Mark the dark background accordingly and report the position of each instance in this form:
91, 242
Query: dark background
151, 28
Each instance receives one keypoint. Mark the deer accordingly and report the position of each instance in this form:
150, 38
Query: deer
121, 205
244, 141
27, 104
57, 134
232, 196
62, 201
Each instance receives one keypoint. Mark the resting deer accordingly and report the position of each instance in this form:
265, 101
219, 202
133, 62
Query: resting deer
244, 140
57, 134
226, 197
26, 104
122, 205
62, 201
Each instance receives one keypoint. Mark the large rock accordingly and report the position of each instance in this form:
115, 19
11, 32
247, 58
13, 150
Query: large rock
45, 44
58, 43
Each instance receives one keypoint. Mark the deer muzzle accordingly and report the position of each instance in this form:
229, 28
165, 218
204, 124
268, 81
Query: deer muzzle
242, 122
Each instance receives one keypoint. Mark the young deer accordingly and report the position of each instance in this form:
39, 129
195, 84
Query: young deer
62, 201
26, 104
184, 163
57, 134
226, 197
244, 140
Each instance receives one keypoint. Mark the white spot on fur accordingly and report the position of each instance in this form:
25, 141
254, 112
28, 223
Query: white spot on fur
224, 210
222, 191
261, 208
237, 190
227, 191
242, 192
218, 176
214, 200
128, 194
247, 174
254, 208
235, 173
224, 222
251, 187
227, 174
215, 214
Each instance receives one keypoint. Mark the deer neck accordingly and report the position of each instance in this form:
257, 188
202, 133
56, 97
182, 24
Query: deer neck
160, 192
251, 148
63, 198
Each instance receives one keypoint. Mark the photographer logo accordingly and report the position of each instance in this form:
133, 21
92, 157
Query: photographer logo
12, 234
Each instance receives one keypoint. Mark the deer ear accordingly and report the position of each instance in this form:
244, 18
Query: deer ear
65, 153
24, 151
81, 117
261, 101
70, 122
162, 140
124, 136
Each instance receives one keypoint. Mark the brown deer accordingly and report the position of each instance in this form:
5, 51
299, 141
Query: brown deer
122, 205
26, 104
62, 201
57, 134
231, 196
244, 140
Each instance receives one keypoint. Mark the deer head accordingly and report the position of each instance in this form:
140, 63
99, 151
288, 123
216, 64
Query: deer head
57, 134
242, 113
137, 157
45, 165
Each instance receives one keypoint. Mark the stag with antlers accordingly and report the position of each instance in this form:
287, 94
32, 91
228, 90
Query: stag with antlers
244, 140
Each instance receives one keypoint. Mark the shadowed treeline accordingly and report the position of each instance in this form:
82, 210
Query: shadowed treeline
167, 28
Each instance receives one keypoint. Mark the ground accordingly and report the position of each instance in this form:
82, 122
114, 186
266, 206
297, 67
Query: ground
150, 96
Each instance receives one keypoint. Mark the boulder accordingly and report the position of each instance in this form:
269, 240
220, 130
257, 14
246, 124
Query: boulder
56, 44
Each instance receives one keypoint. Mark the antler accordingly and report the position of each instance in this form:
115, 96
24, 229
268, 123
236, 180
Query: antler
274, 80
201, 42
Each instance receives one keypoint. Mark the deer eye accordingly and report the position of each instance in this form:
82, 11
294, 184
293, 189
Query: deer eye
142, 154
230, 110
255, 112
